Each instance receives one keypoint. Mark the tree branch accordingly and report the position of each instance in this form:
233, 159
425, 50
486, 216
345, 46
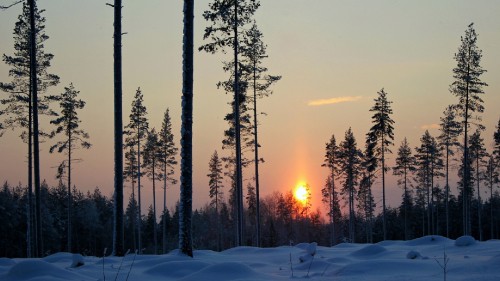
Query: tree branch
13, 4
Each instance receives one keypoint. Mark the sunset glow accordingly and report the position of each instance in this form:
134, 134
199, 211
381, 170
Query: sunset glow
301, 193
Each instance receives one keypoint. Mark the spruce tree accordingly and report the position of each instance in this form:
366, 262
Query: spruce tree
381, 134
215, 185
68, 124
328, 192
468, 88
366, 201
405, 166
136, 133
450, 130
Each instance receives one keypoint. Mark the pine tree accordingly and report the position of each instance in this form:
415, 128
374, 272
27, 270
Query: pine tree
251, 200
186, 196
429, 166
405, 165
450, 130
381, 134
468, 88
19, 111
492, 177
254, 50
215, 185
477, 155
68, 124
328, 192
366, 201
349, 162
152, 167
136, 133
226, 17
167, 151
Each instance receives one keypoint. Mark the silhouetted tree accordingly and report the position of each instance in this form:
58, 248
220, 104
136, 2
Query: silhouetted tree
152, 168
167, 151
477, 155
468, 88
68, 124
226, 17
381, 134
366, 201
328, 192
405, 166
215, 185
19, 110
136, 133
350, 166
450, 130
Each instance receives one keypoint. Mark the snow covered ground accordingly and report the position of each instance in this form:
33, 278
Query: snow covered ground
389, 260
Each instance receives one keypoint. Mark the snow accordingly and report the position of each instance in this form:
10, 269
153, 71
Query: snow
389, 260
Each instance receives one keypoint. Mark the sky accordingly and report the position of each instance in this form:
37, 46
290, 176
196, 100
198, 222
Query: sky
334, 56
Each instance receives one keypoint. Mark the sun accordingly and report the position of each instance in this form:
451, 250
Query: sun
301, 193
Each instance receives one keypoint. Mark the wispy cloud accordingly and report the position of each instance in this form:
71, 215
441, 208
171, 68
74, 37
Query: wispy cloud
333, 100
429, 126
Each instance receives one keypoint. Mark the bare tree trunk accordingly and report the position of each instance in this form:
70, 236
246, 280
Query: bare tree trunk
239, 176
36, 143
118, 196
256, 148
70, 201
186, 204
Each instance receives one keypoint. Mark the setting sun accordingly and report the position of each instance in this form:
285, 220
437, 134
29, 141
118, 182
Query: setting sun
302, 193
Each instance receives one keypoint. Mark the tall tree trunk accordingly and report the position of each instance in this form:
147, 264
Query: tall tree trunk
384, 218
139, 210
186, 196
155, 227
30, 223
118, 196
36, 143
239, 176
70, 201
479, 226
256, 148
164, 226
447, 192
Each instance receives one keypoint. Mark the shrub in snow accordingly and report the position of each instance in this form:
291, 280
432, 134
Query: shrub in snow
77, 261
465, 241
413, 255
310, 252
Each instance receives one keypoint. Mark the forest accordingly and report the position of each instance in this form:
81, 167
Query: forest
38, 219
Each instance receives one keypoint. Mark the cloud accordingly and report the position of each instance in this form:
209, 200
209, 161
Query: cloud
429, 126
333, 100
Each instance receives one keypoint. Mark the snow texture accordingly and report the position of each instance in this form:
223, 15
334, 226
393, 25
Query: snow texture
388, 260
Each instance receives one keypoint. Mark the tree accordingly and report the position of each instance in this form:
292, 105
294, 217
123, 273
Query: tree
429, 165
349, 162
167, 152
251, 200
153, 171
381, 134
254, 50
136, 133
215, 185
468, 88
366, 201
68, 124
186, 207
328, 192
227, 16
130, 174
491, 179
19, 111
477, 155
405, 165
450, 130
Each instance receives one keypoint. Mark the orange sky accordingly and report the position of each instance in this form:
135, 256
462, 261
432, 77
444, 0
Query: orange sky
333, 55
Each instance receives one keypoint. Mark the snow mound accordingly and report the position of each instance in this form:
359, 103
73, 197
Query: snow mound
77, 261
177, 269
413, 255
39, 270
59, 257
6, 262
428, 240
226, 271
369, 251
464, 241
